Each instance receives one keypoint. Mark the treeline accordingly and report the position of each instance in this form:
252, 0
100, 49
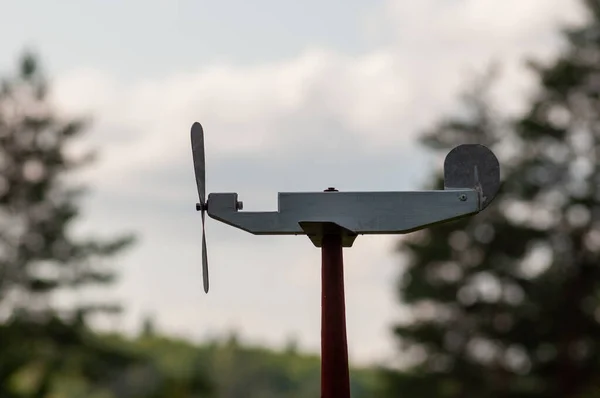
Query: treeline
229, 369
162, 367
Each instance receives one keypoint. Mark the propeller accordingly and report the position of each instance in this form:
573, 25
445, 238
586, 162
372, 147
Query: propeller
202, 206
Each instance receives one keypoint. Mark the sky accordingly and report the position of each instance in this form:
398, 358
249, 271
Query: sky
293, 96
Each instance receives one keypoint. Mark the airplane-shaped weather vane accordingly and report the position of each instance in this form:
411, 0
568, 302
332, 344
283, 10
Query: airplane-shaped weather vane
333, 220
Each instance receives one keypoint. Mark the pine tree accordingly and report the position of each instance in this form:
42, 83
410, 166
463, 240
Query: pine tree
507, 303
39, 255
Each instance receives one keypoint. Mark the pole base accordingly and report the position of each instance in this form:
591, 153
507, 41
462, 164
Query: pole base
317, 230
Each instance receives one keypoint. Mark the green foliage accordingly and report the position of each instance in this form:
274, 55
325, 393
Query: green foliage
230, 370
507, 303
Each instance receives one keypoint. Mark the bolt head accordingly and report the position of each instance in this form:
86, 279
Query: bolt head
462, 197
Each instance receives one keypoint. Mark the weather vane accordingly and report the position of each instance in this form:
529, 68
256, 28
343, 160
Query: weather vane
332, 220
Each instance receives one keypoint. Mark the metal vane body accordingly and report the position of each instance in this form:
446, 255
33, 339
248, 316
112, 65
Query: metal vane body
471, 181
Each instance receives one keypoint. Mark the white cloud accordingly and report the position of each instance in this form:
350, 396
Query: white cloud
288, 116
382, 97
464, 24
449, 40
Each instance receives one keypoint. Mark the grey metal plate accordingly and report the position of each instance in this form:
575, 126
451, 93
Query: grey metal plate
473, 166
358, 212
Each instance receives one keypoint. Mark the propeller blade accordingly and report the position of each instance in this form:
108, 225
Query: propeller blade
204, 257
198, 156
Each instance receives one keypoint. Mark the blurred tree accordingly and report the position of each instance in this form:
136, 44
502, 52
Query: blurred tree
148, 326
507, 303
38, 253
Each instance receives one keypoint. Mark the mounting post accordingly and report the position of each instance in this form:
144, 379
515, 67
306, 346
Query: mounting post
335, 375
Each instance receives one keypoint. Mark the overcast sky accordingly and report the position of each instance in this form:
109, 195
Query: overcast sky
293, 96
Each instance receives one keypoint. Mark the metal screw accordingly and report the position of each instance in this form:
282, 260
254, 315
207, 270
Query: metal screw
462, 197
239, 205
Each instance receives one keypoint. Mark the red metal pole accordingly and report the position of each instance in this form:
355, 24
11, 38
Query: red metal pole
335, 377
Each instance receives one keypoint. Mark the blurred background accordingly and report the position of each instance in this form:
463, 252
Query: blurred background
100, 257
